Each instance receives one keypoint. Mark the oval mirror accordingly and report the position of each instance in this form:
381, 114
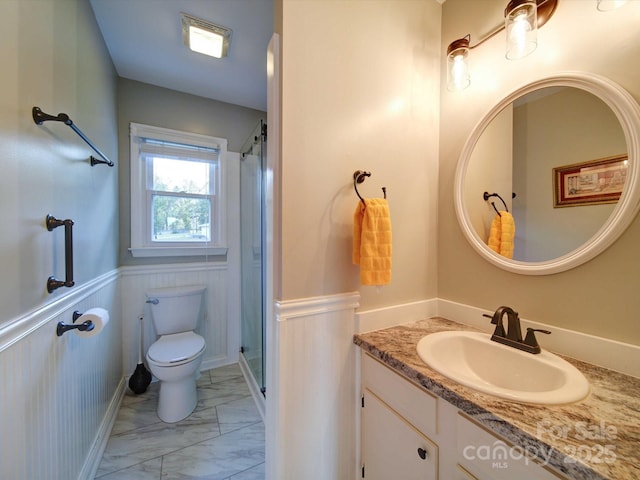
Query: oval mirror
560, 156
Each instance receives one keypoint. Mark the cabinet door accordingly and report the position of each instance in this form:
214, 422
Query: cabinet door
392, 448
490, 457
463, 474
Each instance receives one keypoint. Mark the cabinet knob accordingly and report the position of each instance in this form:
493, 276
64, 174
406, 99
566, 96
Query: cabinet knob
422, 453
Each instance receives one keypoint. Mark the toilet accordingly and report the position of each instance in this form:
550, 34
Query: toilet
175, 357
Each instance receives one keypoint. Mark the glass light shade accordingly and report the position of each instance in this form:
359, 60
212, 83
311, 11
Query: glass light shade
606, 5
458, 77
521, 25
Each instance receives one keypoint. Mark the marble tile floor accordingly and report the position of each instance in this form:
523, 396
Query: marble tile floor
223, 439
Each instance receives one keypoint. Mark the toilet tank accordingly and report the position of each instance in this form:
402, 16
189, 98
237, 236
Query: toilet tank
175, 309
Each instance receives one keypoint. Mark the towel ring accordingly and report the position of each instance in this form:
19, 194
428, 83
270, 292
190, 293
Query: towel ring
359, 177
487, 195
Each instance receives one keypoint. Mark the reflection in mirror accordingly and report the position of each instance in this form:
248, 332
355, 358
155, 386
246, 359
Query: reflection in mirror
517, 152
534, 137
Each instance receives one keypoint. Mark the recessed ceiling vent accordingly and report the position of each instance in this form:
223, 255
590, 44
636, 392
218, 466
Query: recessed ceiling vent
205, 37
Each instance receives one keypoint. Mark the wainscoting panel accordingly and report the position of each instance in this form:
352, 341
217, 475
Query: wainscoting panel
55, 391
314, 378
219, 326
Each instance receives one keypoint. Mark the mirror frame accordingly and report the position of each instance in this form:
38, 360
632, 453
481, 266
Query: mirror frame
627, 111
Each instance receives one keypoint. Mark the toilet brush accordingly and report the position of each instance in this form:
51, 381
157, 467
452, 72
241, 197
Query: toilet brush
141, 377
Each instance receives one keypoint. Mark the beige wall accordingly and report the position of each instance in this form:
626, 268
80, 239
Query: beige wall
53, 57
601, 296
143, 103
492, 176
360, 92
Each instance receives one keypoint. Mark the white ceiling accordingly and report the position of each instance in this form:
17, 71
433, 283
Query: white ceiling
144, 38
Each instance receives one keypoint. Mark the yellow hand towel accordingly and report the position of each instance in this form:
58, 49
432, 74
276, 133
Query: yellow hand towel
372, 241
502, 233
495, 234
508, 232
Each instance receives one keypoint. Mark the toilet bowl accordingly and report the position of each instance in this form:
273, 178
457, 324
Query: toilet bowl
175, 358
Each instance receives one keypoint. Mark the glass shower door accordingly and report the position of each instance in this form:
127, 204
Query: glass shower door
252, 247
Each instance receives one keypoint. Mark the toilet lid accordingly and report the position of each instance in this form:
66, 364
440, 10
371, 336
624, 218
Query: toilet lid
178, 347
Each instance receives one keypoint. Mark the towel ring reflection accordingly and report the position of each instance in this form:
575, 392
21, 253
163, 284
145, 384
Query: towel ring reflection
359, 177
486, 196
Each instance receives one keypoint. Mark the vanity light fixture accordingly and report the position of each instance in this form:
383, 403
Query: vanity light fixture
522, 20
458, 77
521, 25
606, 5
205, 37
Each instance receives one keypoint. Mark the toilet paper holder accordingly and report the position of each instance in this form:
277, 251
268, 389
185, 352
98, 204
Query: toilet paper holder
83, 327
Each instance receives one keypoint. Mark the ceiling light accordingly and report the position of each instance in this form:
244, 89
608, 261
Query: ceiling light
205, 37
522, 20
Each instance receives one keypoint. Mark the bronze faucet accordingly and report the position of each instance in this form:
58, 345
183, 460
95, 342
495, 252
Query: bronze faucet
513, 335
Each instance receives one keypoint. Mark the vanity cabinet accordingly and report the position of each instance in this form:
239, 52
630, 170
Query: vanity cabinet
486, 456
392, 447
397, 419
402, 422
463, 474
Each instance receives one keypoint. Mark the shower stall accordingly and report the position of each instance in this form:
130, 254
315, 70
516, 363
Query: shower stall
252, 238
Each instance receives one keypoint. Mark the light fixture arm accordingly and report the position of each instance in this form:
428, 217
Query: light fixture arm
546, 8
487, 37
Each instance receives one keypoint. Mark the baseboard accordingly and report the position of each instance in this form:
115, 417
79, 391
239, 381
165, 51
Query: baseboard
257, 395
92, 462
215, 362
376, 319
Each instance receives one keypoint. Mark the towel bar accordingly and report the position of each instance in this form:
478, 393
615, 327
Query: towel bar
39, 117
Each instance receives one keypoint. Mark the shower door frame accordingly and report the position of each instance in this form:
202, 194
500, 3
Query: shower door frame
258, 135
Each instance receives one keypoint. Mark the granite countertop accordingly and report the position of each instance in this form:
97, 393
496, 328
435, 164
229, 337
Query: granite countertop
596, 438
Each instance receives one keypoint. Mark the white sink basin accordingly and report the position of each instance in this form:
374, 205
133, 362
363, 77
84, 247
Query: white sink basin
472, 359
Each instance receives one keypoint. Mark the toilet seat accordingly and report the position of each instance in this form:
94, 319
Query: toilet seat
176, 349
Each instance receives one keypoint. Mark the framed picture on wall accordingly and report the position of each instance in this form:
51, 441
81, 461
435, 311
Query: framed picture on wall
589, 183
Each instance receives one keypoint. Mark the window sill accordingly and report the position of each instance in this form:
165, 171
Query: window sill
176, 251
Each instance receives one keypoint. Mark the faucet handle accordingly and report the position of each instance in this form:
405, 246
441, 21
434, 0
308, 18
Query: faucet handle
497, 321
530, 338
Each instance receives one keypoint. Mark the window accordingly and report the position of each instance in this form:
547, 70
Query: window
177, 200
